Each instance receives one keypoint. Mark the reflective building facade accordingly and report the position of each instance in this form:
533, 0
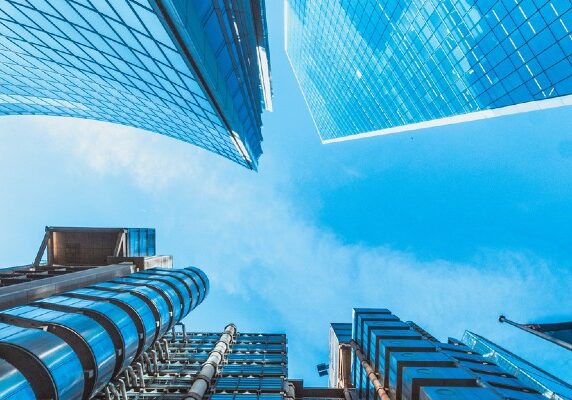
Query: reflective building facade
196, 71
368, 67
534, 376
340, 333
72, 345
102, 318
392, 359
116, 331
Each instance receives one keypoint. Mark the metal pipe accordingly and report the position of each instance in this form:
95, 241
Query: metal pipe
122, 389
155, 361
344, 366
184, 331
542, 335
127, 378
209, 368
147, 363
113, 390
141, 374
159, 350
347, 395
370, 373
289, 391
133, 376
167, 354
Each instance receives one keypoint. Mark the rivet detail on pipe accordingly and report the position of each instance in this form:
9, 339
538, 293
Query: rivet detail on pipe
370, 373
210, 366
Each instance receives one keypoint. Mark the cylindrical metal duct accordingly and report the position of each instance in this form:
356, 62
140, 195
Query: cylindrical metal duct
139, 311
95, 332
116, 322
193, 278
154, 299
88, 339
48, 363
170, 294
14, 385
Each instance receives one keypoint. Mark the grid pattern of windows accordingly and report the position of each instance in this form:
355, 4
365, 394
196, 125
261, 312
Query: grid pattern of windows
257, 363
254, 369
369, 65
445, 362
250, 383
246, 397
113, 61
141, 242
256, 357
258, 347
230, 60
170, 369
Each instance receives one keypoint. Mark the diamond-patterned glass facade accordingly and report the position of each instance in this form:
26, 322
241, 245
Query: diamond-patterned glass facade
195, 71
371, 67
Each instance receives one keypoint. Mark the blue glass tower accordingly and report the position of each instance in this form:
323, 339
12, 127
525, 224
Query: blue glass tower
197, 71
369, 67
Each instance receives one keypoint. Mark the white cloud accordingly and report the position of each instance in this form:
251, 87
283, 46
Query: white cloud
244, 230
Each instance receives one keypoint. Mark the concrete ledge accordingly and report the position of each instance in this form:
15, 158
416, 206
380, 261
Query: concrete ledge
146, 262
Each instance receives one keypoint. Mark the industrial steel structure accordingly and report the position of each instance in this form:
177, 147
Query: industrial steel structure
76, 325
77, 257
116, 332
395, 360
73, 345
101, 318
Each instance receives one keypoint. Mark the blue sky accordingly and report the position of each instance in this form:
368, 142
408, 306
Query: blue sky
447, 227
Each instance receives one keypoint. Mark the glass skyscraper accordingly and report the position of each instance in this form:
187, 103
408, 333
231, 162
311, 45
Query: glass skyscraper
395, 360
370, 67
197, 71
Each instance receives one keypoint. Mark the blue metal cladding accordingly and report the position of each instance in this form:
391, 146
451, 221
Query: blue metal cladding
156, 302
87, 327
406, 361
374, 67
176, 290
195, 279
141, 313
141, 242
116, 321
137, 63
171, 296
343, 331
89, 340
49, 364
13, 385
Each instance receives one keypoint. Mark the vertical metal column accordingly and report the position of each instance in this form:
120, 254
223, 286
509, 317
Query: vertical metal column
210, 367
370, 373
